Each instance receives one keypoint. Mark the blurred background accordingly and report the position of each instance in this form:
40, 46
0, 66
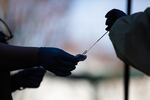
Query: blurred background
73, 25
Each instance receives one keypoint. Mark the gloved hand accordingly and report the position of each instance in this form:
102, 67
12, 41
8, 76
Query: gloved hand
28, 78
58, 61
112, 16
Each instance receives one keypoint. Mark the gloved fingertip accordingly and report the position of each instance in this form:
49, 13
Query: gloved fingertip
107, 28
81, 57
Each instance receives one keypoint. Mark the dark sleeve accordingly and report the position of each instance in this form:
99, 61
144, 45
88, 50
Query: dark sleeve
130, 36
16, 57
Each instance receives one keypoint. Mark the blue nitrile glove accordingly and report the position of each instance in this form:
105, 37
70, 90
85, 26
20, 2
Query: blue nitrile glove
112, 16
58, 61
28, 78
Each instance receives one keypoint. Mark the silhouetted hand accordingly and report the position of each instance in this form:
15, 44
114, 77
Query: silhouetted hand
58, 61
28, 78
112, 16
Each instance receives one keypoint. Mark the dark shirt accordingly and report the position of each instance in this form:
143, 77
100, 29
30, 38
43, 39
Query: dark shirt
5, 82
5, 85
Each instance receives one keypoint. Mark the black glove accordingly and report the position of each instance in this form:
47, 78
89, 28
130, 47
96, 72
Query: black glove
58, 61
28, 78
2, 37
112, 16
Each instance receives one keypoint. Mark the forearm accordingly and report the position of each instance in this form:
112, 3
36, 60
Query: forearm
15, 57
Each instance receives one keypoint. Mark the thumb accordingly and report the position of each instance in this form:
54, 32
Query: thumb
80, 57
